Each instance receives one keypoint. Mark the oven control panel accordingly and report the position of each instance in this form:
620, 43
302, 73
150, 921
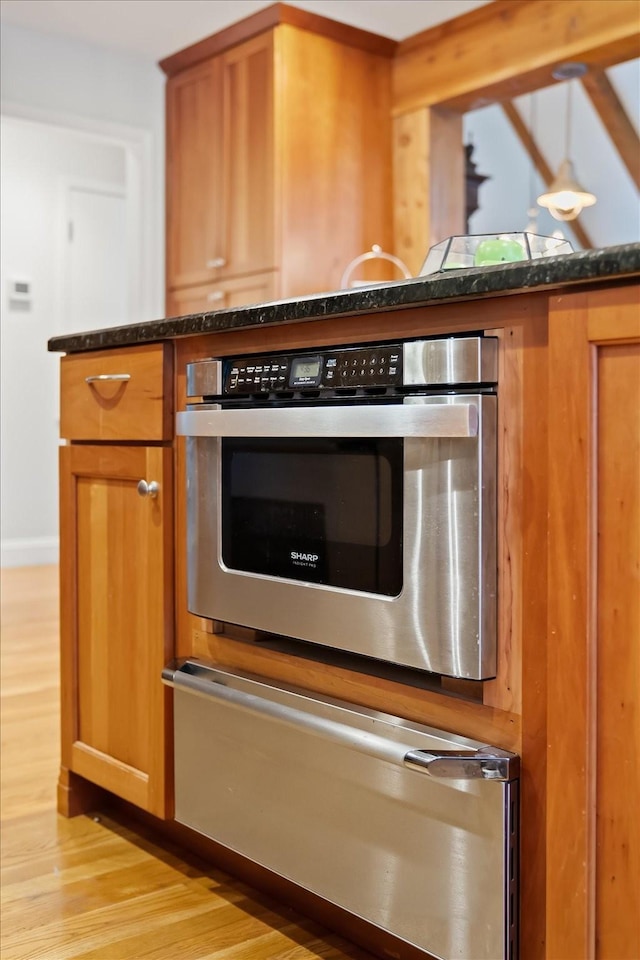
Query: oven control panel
379, 366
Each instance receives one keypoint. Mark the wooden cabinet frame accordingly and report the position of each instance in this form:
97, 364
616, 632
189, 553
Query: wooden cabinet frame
593, 832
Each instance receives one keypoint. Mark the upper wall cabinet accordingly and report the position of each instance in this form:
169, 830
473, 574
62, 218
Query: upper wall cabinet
278, 153
220, 170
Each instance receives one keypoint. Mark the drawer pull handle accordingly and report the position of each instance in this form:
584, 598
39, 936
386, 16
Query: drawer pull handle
148, 489
216, 262
215, 295
108, 376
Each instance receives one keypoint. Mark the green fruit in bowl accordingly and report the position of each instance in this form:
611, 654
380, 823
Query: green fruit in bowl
490, 252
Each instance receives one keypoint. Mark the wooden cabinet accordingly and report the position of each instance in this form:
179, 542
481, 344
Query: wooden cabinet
116, 557
593, 832
278, 155
220, 166
566, 694
115, 395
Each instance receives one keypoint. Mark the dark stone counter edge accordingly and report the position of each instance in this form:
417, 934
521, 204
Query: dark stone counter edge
590, 265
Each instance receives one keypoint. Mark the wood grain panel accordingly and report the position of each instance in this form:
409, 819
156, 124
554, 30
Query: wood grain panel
105, 770
223, 294
427, 152
193, 174
571, 636
333, 150
520, 684
446, 165
506, 690
246, 227
137, 409
117, 620
617, 917
614, 315
503, 50
593, 841
423, 706
411, 183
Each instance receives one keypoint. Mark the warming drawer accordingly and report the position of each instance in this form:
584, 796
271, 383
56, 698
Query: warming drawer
407, 827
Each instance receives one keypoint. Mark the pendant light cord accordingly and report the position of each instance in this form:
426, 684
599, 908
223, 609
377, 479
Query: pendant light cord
532, 171
568, 126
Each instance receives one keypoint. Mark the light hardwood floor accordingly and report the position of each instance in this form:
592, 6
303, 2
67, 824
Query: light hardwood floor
89, 888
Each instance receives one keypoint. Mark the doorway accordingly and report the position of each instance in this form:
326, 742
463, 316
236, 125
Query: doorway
96, 269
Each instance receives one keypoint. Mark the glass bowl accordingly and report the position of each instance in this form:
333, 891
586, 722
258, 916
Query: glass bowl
490, 249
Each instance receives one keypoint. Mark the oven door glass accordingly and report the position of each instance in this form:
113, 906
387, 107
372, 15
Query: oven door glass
325, 511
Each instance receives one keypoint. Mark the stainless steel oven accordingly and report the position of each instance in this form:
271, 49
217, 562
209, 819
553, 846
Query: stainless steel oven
347, 497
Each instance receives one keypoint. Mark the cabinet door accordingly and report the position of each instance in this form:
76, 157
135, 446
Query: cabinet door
593, 728
116, 617
194, 174
222, 295
220, 189
248, 244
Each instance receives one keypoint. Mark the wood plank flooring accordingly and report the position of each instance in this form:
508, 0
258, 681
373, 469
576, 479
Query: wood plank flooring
89, 888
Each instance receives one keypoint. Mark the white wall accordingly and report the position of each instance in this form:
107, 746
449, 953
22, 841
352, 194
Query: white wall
104, 120
35, 162
116, 96
68, 76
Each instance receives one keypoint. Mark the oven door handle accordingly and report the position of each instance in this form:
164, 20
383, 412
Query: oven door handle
429, 420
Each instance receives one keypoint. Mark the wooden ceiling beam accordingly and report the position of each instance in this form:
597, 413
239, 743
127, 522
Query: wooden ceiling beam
541, 165
510, 47
615, 119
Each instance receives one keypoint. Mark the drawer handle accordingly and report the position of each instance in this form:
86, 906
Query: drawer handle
148, 489
215, 295
108, 376
216, 262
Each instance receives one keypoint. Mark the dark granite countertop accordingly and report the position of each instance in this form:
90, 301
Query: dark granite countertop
469, 284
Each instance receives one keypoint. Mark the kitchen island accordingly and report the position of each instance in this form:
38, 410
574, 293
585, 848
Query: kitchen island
568, 330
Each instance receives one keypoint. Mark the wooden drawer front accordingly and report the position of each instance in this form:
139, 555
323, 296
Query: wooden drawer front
223, 295
137, 408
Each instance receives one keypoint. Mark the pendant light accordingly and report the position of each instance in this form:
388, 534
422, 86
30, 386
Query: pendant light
566, 198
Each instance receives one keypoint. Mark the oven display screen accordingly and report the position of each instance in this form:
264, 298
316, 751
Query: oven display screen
306, 370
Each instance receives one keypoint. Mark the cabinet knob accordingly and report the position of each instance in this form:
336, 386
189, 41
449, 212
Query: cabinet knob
216, 262
215, 295
148, 489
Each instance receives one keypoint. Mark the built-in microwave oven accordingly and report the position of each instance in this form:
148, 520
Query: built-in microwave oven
347, 497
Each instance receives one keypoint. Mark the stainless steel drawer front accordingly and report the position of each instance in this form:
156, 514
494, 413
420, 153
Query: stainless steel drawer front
409, 828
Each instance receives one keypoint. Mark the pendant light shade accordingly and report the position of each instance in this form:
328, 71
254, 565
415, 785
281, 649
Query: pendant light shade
566, 197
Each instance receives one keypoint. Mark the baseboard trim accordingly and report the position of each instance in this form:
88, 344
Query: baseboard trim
29, 552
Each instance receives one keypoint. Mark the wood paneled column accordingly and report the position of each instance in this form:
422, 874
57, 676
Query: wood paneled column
428, 174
